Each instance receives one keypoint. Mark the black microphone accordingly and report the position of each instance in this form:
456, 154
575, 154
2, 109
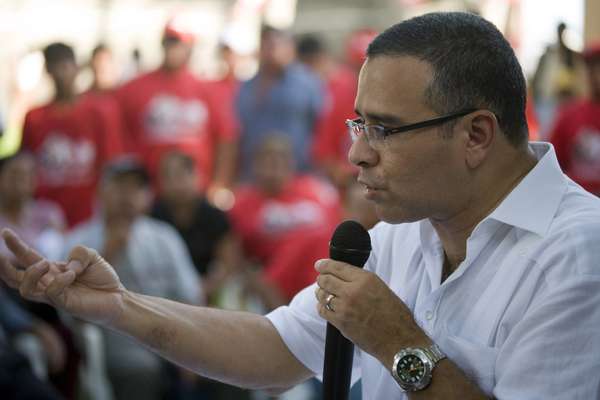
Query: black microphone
351, 244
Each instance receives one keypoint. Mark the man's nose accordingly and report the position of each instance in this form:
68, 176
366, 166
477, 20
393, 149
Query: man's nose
362, 154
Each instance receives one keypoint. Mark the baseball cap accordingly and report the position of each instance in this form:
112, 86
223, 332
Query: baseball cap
177, 29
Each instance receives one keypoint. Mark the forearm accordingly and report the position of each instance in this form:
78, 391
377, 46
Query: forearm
238, 348
449, 383
225, 164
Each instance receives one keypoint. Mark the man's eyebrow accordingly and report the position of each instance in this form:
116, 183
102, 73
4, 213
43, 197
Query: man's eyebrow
389, 119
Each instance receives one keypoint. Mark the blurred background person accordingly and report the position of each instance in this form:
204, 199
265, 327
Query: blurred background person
331, 142
283, 97
104, 69
22, 364
207, 233
576, 132
558, 78
205, 229
171, 109
70, 137
281, 205
41, 223
149, 257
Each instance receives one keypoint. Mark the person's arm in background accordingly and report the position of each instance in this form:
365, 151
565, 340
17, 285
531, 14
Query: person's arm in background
237, 348
225, 130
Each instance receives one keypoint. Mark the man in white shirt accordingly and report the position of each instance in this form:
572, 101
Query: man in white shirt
483, 279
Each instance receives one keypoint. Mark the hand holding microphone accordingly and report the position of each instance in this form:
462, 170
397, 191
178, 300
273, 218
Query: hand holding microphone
360, 309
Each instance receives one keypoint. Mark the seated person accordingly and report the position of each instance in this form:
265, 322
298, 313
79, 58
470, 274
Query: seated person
205, 229
39, 222
283, 217
149, 257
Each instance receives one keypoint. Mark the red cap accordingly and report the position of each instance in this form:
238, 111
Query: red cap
176, 30
592, 51
356, 47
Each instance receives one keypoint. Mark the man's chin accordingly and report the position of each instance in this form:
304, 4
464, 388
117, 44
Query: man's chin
394, 216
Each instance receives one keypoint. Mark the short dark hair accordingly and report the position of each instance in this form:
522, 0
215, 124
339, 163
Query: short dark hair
473, 64
186, 161
57, 52
125, 165
309, 46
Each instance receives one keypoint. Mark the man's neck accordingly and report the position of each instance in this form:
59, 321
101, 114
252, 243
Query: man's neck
454, 231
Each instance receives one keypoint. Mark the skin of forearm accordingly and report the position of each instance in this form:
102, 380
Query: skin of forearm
226, 155
448, 383
237, 348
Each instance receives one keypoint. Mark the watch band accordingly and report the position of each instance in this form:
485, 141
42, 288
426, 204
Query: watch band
434, 353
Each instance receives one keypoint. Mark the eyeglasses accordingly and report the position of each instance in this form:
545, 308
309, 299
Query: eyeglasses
378, 132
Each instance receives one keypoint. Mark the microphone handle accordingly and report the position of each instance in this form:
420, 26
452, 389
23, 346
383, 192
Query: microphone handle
337, 370
339, 351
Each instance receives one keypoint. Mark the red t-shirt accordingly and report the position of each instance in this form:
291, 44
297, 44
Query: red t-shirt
71, 143
576, 138
166, 111
332, 141
291, 269
265, 223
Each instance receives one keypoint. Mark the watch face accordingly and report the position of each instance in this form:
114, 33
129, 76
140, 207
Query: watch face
411, 369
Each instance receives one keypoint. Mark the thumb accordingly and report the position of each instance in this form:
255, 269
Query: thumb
80, 258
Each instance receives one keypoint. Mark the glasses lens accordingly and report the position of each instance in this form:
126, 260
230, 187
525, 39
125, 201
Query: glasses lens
354, 129
374, 133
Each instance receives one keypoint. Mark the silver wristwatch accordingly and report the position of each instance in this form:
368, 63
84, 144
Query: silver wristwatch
413, 366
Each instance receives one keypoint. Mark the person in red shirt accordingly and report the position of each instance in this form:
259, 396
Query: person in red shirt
71, 138
331, 143
170, 109
576, 132
280, 211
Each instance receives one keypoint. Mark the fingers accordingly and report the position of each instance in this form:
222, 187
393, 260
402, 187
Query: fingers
30, 287
56, 289
343, 271
9, 274
25, 255
79, 258
331, 284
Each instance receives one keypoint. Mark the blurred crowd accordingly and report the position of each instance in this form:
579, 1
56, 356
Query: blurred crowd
220, 193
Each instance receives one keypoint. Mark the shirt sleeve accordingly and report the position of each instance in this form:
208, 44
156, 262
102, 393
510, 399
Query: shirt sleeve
303, 332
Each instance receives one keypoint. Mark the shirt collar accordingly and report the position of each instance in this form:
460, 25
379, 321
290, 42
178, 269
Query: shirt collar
532, 204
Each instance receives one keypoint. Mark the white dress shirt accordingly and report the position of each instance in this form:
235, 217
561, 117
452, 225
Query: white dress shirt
521, 314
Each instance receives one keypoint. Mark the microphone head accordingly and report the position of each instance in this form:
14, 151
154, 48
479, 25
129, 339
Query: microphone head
352, 236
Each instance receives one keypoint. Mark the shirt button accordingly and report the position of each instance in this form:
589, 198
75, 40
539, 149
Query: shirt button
429, 315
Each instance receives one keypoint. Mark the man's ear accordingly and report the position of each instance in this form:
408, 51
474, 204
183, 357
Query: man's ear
481, 128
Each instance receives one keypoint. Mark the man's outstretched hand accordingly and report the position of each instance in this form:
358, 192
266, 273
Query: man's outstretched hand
85, 286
